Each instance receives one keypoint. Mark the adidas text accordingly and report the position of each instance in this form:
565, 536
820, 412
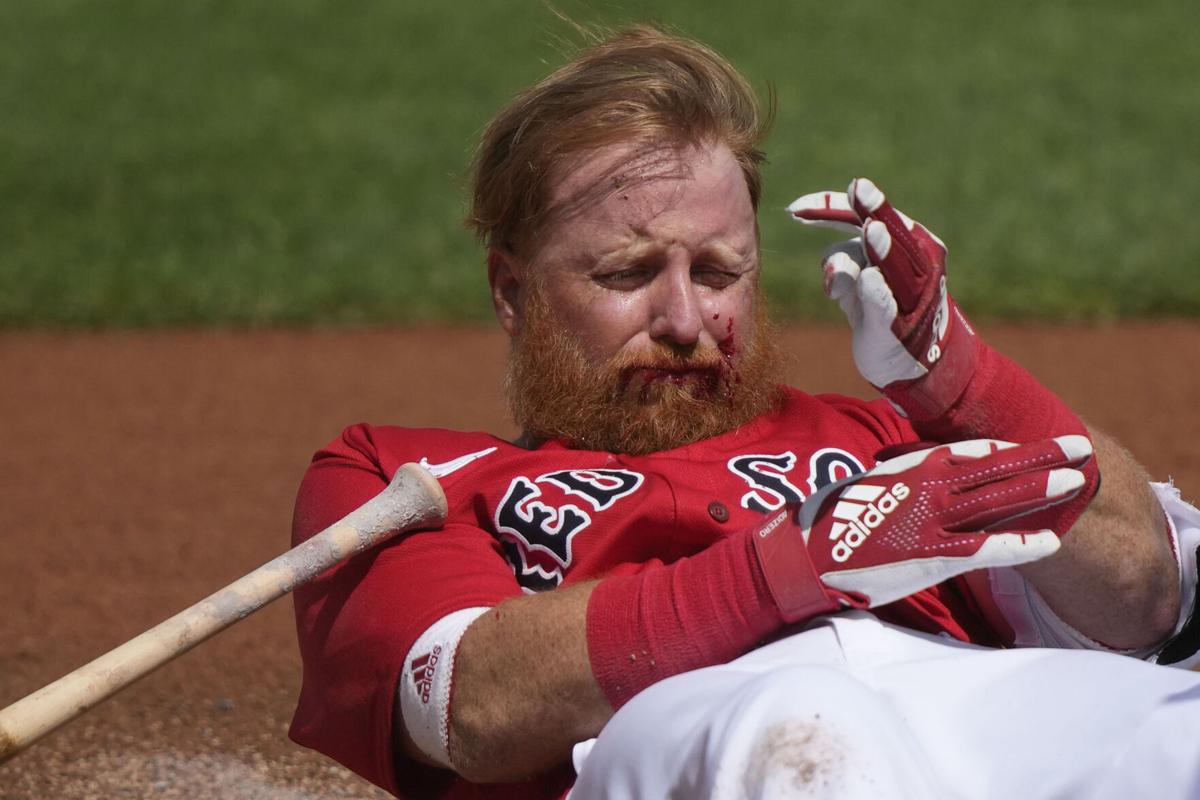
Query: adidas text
861, 509
423, 668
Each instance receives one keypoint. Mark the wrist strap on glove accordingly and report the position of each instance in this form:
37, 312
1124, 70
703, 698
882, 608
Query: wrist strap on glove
928, 397
788, 569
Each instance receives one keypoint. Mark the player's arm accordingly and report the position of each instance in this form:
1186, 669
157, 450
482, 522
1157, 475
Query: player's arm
536, 674
524, 691
1115, 578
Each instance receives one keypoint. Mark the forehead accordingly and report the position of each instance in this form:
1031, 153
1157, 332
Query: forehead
625, 193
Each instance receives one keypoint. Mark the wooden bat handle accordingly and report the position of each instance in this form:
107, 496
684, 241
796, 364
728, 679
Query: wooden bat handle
413, 500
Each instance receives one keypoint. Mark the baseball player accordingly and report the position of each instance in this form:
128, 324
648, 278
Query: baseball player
767, 587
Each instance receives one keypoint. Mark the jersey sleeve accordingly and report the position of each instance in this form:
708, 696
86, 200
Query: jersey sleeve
1014, 604
357, 621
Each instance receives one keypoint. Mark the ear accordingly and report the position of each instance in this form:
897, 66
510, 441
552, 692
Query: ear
504, 275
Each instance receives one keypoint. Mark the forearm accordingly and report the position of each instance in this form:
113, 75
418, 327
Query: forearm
537, 674
523, 687
1114, 579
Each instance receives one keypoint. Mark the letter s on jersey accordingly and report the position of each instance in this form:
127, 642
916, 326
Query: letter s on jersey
767, 476
537, 535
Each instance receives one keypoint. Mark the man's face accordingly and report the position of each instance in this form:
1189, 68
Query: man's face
637, 324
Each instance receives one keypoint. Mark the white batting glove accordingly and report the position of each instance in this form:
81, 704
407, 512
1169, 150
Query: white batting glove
919, 519
909, 338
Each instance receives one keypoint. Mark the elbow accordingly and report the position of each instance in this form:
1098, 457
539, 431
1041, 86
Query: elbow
492, 740
1150, 597
472, 748
481, 749
1162, 614
481, 745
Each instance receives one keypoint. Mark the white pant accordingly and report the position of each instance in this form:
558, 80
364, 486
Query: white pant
856, 708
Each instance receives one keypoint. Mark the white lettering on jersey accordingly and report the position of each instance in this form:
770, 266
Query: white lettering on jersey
766, 474
537, 536
600, 487
829, 465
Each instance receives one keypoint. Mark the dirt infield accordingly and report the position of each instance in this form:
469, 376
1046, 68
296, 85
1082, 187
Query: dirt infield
143, 471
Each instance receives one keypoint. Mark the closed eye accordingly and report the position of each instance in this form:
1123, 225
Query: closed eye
713, 276
628, 278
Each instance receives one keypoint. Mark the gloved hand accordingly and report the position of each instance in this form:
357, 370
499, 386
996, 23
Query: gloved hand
910, 340
917, 520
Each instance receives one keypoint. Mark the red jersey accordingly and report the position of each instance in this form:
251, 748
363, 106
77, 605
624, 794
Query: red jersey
525, 521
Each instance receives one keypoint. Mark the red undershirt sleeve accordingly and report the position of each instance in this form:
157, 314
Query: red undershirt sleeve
357, 622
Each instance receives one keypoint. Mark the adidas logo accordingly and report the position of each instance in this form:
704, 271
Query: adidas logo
423, 668
861, 509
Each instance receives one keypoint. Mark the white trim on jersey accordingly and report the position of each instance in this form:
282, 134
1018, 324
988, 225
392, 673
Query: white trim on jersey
426, 681
1182, 649
1035, 624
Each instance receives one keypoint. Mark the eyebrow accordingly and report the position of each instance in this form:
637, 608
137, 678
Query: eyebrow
728, 254
638, 250
635, 251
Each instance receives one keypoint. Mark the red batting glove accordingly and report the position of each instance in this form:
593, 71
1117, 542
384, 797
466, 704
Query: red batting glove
910, 339
917, 520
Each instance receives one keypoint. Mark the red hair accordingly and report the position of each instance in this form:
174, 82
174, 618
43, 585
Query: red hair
642, 86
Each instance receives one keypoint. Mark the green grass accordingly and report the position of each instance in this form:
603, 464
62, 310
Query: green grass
290, 162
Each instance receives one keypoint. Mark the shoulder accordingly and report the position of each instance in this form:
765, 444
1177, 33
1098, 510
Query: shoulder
386, 447
839, 417
876, 415
854, 406
360, 461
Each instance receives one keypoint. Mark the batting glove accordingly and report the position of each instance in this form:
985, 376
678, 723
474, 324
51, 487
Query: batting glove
910, 340
916, 520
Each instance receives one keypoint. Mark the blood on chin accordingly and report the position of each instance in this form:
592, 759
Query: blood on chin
646, 383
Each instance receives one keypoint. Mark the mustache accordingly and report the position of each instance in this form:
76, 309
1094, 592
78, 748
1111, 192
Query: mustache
670, 359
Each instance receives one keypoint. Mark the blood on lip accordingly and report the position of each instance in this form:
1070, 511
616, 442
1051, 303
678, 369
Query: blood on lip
641, 380
650, 374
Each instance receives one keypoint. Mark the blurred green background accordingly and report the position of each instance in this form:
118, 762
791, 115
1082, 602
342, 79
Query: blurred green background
294, 161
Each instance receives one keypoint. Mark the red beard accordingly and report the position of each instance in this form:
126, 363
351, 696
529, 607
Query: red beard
635, 403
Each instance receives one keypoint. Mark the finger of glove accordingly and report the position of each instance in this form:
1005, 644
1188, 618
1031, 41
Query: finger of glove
869, 202
851, 248
841, 284
878, 303
959, 554
826, 210
881, 355
908, 254
1075, 450
1000, 501
971, 470
906, 272
841, 264
865, 197
899, 457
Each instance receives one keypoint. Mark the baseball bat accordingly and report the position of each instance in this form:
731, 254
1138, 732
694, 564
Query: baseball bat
412, 500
